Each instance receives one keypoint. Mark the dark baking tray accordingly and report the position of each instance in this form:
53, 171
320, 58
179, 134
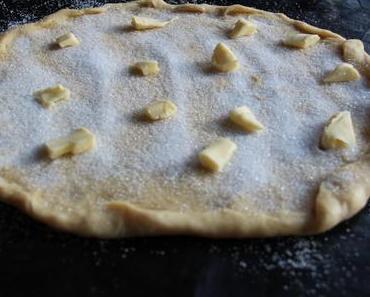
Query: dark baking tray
37, 261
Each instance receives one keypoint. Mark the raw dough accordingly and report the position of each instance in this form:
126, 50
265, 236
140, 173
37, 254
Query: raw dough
144, 178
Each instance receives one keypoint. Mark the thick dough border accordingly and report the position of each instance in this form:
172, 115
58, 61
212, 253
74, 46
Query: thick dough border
337, 199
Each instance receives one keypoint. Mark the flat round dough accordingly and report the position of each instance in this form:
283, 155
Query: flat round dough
144, 178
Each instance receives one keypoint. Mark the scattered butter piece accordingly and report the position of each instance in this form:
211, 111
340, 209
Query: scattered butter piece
243, 117
79, 141
342, 73
218, 154
301, 40
67, 40
53, 95
243, 28
160, 110
143, 23
145, 68
353, 51
223, 59
338, 133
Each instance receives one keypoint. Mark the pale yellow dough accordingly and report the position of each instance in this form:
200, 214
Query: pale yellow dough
144, 178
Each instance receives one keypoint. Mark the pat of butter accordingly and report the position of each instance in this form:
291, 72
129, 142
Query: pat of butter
243, 117
301, 40
243, 28
79, 141
353, 51
67, 40
160, 110
338, 132
143, 23
51, 96
223, 59
215, 156
145, 68
342, 73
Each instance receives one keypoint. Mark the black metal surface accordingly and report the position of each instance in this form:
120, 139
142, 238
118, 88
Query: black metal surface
37, 261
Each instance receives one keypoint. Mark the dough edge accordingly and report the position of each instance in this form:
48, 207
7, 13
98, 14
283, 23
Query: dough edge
121, 219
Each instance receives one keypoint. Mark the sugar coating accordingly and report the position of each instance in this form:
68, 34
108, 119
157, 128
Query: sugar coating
155, 164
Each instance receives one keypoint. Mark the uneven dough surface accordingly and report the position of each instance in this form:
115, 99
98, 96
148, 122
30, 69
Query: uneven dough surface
150, 170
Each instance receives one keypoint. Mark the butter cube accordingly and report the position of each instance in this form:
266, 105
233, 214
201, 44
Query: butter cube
144, 23
342, 73
80, 141
67, 40
160, 110
223, 59
301, 40
338, 133
243, 117
243, 28
353, 51
145, 68
51, 96
217, 155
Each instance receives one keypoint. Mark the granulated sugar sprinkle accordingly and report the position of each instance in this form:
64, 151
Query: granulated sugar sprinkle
141, 162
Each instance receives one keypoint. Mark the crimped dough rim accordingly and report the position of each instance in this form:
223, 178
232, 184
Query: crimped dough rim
330, 207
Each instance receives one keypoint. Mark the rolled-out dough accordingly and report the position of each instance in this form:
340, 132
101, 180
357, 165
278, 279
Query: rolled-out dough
144, 178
